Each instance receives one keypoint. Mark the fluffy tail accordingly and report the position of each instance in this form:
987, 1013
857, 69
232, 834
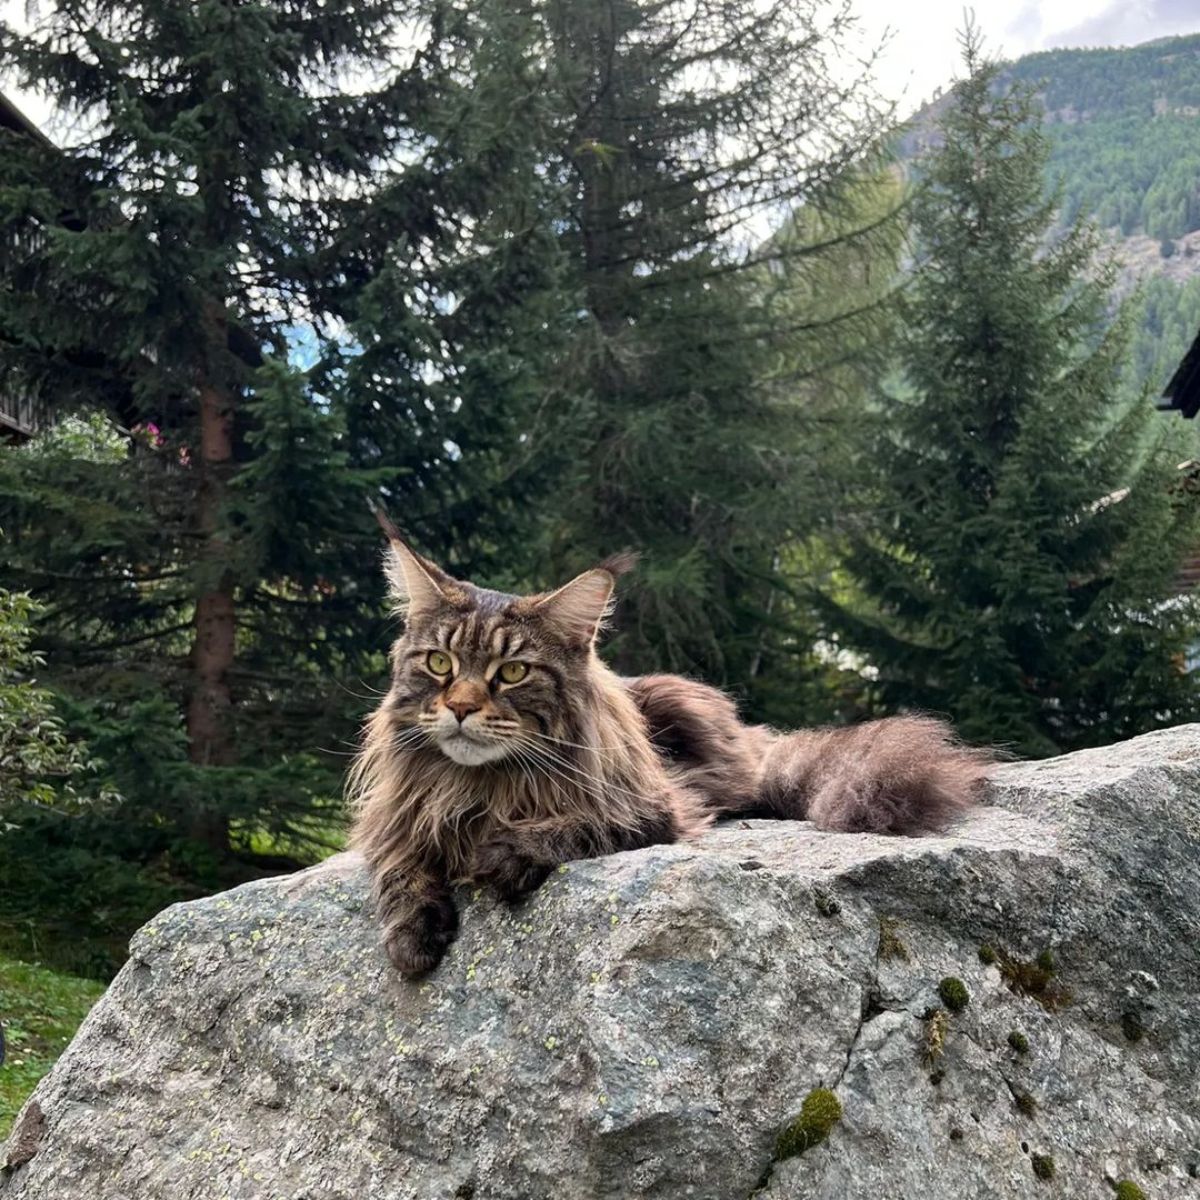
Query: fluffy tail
899, 775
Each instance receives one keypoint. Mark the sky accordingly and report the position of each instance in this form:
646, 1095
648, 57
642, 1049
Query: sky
922, 51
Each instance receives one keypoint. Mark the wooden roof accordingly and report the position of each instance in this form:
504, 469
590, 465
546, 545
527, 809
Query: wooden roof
1182, 394
12, 118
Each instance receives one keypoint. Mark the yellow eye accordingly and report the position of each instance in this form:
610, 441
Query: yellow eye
439, 663
513, 672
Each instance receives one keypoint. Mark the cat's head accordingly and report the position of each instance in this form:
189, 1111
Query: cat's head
479, 674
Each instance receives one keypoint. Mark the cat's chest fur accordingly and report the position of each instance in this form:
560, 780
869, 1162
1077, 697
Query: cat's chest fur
458, 809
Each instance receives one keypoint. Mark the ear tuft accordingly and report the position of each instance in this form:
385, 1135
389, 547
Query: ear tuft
579, 609
416, 584
620, 563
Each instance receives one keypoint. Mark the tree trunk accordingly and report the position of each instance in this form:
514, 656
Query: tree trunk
210, 741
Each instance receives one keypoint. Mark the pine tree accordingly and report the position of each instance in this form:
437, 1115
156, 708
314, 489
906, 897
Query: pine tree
207, 213
458, 326
600, 359
1014, 567
680, 135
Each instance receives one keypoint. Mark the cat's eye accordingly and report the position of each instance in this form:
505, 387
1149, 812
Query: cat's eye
439, 662
513, 672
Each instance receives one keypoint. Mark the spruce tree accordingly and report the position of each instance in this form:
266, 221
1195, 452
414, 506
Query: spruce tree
1014, 566
204, 214
680, 135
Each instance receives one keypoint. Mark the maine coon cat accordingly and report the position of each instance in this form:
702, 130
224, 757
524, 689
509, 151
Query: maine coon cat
505, 747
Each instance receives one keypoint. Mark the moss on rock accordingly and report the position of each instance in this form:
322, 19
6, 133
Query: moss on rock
890, 943
1018, 1041
954, 994
1128, 1190
1037, 979
819, 1113
1043, 1166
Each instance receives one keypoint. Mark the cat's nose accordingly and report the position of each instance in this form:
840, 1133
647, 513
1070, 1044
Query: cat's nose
462, 709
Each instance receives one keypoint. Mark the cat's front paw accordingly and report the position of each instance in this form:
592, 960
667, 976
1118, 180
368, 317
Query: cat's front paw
510, 873
418, 943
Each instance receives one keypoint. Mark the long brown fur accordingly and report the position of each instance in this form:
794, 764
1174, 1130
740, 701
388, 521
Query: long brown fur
589, 763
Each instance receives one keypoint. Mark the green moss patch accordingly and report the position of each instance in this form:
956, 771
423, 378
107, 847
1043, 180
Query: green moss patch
1036, 979
1018, 1041
819, 1113
954, 994
1043, 1166
1128, 1190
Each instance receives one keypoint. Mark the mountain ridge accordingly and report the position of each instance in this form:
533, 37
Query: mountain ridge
1124, 131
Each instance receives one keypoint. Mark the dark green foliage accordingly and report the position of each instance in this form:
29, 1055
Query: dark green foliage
40, 767
1027, 1106
1128, 1190
1018, 1041
987, 954
678, 436
1043, 1166
199, 542
1168, 317
819, 1113
1016, 569
954, 994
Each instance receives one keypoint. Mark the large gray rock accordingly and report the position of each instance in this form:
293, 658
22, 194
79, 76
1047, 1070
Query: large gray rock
647, 1023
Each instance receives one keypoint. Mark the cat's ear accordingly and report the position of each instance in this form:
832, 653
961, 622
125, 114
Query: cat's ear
577, 611
417, 585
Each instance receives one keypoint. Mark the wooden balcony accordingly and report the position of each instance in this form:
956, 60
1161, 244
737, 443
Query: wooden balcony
20, 418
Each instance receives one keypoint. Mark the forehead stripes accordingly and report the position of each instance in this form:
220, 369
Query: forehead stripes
482, 634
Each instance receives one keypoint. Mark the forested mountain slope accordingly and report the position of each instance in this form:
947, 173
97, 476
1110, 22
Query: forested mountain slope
1124, 126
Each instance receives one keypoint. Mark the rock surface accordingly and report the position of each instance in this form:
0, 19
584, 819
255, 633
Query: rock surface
647, 1023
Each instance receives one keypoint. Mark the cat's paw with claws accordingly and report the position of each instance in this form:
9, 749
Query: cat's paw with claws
506, 869
418, 943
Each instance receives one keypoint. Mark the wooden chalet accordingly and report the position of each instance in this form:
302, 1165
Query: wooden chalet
20, 416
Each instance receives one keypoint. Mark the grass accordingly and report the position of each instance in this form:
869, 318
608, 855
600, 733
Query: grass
40, 1010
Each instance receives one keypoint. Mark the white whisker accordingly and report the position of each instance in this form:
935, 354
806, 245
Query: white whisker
566, 763
581, 781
